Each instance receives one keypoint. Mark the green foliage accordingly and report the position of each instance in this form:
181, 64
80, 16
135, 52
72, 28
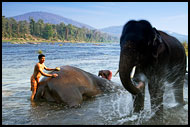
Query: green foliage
13, 29
32, 26
185, 45
47, 32
40, 52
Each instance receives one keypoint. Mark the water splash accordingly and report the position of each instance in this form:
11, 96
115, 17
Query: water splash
123, 114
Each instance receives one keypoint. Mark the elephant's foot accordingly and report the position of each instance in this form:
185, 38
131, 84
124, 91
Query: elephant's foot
74, 102
179, 105
74, 105
139, 98
179, 97
158, 113
157, 120
138, 108
138, 102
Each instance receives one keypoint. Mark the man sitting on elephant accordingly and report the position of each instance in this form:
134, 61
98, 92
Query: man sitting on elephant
107, 74
38, 71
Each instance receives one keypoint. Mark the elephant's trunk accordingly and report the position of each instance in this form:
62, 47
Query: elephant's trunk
125, 68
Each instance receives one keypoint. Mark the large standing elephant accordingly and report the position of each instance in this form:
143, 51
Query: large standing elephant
72, 86
156, 55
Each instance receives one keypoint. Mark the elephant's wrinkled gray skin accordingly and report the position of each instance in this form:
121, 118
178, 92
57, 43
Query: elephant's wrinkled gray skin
158, 56
72, 86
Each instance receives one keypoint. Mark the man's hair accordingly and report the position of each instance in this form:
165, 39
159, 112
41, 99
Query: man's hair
40, 56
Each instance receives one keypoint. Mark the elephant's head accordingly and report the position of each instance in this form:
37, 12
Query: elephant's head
140, 43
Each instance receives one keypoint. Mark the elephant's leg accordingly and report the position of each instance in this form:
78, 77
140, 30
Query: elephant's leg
139, 99
178, 90
38, 94
47, 94
156, 98
71, 96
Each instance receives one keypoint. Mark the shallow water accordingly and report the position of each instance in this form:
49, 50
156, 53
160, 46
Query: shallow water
114, 108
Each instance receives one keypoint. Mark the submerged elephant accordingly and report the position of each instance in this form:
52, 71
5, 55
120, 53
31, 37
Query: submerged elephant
157, 56
72, 86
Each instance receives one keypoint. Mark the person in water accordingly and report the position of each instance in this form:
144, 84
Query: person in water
107, 74
38, 71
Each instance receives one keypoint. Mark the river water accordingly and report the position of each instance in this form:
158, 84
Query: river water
113, 108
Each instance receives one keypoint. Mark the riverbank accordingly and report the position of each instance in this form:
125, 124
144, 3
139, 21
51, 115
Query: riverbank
40, 40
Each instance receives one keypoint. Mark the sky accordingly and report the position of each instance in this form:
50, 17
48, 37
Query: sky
170, 16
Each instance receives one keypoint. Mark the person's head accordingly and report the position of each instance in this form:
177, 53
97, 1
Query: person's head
107, 74
41, 58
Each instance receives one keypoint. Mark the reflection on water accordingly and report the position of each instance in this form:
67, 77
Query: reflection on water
114, 108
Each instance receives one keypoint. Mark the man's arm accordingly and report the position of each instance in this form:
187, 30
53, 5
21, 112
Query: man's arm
48, 69
41, 71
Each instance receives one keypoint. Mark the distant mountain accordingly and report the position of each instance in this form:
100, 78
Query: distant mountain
117, 30
50, 18
113, 30
180, 37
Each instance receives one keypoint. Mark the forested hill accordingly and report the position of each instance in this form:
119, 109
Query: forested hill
49, 18
57, 32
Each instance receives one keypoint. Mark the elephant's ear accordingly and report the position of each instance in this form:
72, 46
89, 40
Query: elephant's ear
156, 43
156, 38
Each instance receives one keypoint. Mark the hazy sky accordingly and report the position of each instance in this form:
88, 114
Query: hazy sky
172, 16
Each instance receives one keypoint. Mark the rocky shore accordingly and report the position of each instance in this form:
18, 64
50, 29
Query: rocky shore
25, 43
13, 41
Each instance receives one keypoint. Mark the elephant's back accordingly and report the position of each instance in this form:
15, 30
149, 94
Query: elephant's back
175, 48
70, 76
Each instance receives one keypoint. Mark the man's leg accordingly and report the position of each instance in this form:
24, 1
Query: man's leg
32, 96
33, 88
33, 93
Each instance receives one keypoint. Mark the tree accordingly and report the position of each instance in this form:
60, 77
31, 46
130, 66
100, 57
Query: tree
39, 28
185, 45
12, 28
9, 29
32, 26
48, 31
4, 30
23, 28
61, 29
66, 33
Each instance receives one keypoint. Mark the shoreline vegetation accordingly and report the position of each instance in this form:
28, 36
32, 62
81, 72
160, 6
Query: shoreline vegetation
36, 40
38, 31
